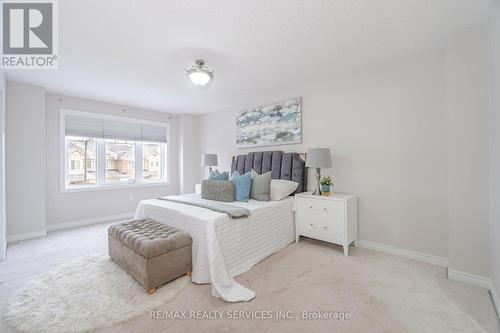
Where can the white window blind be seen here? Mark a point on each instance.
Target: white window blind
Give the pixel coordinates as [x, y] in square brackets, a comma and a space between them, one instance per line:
[83, 126]
[92, 126]
[151, 133]
[121, 130]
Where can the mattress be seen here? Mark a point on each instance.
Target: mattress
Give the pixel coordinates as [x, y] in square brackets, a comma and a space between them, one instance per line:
[223, 247]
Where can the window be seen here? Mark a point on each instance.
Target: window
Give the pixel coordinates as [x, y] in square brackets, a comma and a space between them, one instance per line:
[102, 151]
[120, 161]
[152, 155]
[84, 151]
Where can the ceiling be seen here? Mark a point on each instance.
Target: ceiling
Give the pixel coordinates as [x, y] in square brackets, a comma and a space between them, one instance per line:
[133, 52]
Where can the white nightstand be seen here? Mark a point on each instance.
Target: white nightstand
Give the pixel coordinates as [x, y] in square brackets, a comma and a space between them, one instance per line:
[332, 219]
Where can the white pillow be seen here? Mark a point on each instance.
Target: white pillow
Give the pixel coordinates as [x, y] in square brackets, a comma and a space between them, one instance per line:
[280, 189]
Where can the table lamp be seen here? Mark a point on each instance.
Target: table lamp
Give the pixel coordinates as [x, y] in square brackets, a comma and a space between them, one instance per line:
[318, 158]
[209, 160]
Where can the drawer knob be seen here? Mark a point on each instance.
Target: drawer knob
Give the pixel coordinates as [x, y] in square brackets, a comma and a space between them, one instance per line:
[311, 224]
[325, 227]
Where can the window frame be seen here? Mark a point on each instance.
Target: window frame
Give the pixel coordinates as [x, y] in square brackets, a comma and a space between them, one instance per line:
[101, 184]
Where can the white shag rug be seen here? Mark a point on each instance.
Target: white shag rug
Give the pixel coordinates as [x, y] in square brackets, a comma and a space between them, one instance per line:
[88, 293]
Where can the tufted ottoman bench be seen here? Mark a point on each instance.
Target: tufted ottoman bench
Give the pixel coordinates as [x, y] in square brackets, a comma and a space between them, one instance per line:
[151, 252]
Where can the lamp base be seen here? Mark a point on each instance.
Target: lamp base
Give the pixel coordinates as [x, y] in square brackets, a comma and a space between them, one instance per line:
[317, 191]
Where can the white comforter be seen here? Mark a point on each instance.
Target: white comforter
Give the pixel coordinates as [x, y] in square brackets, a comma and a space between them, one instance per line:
[225, 247]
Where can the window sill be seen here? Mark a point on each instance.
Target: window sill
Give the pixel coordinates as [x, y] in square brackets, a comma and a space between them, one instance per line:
[73, 189]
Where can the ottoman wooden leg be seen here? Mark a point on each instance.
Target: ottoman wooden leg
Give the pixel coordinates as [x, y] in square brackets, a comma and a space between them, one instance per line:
[189, 274]
[151, 291]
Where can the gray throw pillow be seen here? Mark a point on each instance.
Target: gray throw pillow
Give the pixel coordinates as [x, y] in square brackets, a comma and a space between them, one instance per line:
[218, 190]
[261, 186]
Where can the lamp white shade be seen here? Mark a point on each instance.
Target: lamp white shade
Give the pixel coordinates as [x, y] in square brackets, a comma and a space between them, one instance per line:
[209, 160]
[318, 158]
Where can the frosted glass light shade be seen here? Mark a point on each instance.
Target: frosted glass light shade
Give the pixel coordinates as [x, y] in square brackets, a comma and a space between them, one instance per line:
[200, 74]
[199, 78]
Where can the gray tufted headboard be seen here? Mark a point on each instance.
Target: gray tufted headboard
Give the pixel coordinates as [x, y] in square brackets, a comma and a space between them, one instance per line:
[289, 166]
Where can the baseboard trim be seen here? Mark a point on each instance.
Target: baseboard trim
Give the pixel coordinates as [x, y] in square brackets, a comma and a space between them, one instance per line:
[95, 220]
[496, 300]
[470, 279]
[25, 236]
[419, 256]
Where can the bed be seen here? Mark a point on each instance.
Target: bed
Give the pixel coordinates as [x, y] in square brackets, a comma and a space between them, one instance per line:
[223, 247]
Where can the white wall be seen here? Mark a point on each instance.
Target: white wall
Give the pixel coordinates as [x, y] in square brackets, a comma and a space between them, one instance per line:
[78, 206]
[386, 128]
[3, 229]
[467, 97]
[25, 156]
[33, 164]
[189, 153]
[495, 146]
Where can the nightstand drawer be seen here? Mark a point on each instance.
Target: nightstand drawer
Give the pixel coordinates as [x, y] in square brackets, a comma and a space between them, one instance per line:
[325, 217]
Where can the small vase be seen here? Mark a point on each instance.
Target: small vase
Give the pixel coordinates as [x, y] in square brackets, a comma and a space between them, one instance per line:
[325, 189]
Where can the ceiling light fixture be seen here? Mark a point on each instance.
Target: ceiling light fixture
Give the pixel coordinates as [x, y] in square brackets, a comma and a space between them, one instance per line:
[199, 74]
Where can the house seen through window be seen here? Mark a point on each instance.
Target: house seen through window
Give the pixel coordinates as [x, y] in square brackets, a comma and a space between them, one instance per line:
[120, 161]
[81, 152]
[152, 158]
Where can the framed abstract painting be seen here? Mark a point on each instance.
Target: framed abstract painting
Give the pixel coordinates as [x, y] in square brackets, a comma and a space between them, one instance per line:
[269, 125]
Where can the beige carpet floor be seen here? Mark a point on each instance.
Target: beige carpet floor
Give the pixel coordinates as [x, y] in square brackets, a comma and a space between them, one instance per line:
[381, 293]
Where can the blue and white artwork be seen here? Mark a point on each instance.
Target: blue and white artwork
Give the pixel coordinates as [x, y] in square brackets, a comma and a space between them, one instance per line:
[274, 124]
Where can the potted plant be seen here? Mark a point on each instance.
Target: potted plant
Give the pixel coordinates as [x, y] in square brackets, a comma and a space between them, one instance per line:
[326, 183]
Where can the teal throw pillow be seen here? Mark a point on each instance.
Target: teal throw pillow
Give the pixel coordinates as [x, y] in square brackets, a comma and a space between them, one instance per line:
[242, 185]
